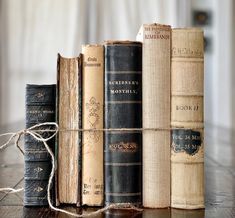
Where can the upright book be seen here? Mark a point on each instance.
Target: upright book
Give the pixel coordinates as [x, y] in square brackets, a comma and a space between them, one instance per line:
[92, 117]
[123, 109]
[40, 108]
[69, 138]
[156, 40]
[187, 154]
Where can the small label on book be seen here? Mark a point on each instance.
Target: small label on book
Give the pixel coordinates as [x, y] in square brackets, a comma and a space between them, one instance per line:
[92, 189]
[187, 141]
[124, 147]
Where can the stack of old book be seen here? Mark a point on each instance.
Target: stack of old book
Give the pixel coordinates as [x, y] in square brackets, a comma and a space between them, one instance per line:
[145, 98]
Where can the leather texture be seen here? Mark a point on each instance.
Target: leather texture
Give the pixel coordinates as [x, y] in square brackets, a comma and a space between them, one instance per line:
[40, 107]
[123, 109]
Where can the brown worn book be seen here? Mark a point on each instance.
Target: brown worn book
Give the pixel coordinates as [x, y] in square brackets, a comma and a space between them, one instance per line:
[187, 152]
[156, 40]
[69, 139]
[92, 116]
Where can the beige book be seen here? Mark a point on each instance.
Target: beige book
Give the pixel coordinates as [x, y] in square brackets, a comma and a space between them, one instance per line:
[92, 116]
[156, 40]
[187, 154]
[69, 140]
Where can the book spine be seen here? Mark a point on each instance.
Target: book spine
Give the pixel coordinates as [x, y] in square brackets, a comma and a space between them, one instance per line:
[156, 40]
[123, 109]
[92, 142]
[187, 150]
[40, 107]
[68, 170]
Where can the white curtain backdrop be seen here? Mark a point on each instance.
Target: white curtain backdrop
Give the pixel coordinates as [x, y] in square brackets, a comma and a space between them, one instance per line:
[33, 32]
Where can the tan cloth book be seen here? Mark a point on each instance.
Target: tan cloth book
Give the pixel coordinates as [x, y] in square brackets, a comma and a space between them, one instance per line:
[187, 153]
[92, 116]
[156, 39]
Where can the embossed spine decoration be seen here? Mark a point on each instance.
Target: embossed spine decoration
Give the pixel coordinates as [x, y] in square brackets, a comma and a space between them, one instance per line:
[69, 142]
[123, 109]
[156, 40]
[92, 143]
[40, 107]
[187, 153]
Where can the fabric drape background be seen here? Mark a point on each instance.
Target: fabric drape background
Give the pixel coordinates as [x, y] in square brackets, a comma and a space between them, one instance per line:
[33, 32]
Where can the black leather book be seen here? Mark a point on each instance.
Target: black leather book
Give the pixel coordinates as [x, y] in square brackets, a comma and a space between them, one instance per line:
[123, 109]
[40, 108]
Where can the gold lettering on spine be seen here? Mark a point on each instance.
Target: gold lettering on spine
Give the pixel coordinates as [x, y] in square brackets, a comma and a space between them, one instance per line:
[124, 147]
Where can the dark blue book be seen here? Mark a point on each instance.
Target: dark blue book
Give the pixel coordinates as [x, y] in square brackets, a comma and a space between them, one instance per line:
[40, 108]
[123, 109]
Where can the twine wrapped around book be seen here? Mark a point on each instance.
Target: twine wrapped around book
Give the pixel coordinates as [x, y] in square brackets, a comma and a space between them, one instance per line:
[35, 133]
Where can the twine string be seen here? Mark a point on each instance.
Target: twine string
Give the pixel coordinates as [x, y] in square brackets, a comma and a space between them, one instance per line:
[34, 133]
[118, 129]
[11, 190]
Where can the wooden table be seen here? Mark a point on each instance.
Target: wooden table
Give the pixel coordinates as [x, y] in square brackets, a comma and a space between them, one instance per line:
[219, 180]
